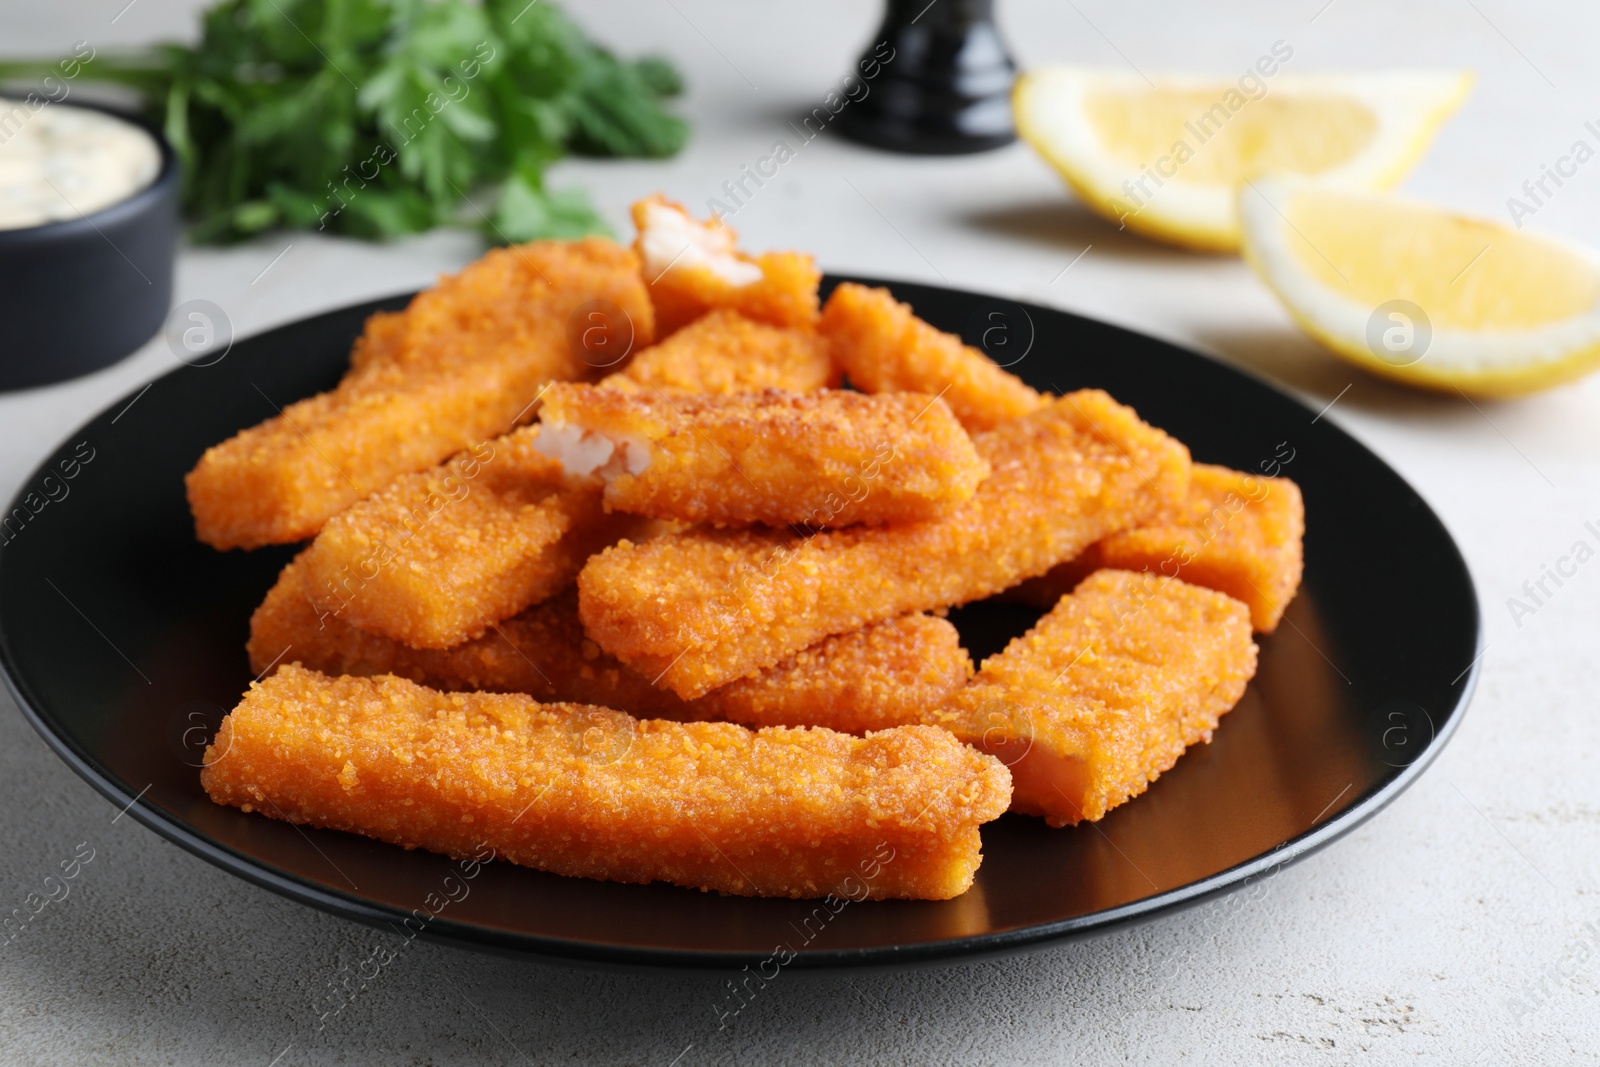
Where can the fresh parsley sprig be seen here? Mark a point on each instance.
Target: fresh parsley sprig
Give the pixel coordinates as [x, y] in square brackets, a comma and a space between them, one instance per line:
[378, 118]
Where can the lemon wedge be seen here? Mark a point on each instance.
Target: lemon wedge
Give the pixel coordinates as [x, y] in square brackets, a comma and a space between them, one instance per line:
[1424, 296]
[1166, 158]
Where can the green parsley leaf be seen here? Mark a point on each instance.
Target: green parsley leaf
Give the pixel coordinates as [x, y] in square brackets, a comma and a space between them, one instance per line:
[377, 118]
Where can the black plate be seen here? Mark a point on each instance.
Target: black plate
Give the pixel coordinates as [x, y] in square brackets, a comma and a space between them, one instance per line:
[123, 640]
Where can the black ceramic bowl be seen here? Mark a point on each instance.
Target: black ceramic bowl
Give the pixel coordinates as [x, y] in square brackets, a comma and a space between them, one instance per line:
[80, 294]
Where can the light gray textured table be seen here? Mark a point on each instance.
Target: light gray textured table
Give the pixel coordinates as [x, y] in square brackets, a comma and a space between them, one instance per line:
[1462, 925]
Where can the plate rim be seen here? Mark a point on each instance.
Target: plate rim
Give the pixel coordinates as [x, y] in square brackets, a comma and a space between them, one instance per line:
[946, 952]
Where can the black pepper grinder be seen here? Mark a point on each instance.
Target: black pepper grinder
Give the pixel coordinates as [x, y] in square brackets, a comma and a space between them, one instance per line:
[944, 81]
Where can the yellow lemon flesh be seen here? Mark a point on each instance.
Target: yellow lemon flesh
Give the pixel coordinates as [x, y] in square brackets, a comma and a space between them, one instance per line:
[1310, 135]
[1166, 158]
[1424, 296]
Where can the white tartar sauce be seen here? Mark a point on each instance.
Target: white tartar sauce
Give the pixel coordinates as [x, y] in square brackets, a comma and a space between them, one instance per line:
[59, 162]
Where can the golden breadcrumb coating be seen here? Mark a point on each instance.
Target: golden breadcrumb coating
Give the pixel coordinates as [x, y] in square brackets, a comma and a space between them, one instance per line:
[1234, 532]
[886, 674]
[704, 607]
[1106, 691]
[724, 352]
[541, 651]
[594, 793]
[883, 348]
[436, 557]
[828, 458]
[461, 364]
[694, 267]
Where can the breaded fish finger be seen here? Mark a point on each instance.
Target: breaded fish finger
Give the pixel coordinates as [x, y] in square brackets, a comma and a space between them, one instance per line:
[1234, 532]
[829, 458]
[694, 267]
[724, 352]
[886, 674]
[460, 365]
[883, 348]
[436, 557]
[1106, 691]
[541, 651]
[703, 607]
[594, 793]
